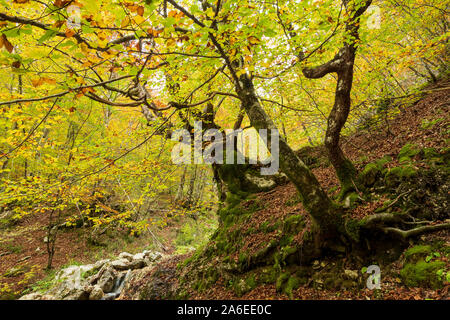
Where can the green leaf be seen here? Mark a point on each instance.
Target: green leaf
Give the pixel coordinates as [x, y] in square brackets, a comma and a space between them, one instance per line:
[47, 35]
[12, 33]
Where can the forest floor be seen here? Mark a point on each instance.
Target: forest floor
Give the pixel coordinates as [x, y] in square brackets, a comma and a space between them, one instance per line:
[424, 123]
[23, 250]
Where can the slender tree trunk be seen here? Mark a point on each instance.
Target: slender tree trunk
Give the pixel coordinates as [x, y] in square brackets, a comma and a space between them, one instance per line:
[190, 193]
[52, 232]
[179, 195]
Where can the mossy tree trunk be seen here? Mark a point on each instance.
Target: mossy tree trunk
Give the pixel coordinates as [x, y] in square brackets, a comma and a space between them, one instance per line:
[315, 200]
[342, 64]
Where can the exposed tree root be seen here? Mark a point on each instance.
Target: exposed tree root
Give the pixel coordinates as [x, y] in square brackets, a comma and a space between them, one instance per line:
[416, 231]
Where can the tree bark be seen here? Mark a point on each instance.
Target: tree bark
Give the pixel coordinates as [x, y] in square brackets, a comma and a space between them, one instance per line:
[342, 64]
[314, 198]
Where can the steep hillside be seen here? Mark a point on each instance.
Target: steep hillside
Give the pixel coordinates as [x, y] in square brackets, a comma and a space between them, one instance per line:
[404, 170]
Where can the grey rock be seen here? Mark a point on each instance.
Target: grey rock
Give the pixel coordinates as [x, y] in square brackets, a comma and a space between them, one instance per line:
[101, 263]
[351, 274]
[32, 296]
[126, 255]
[154, 256]
[37, 296]
[123, 264]
[96, 293]
[139, 256]
[107, 279]
[71, 285]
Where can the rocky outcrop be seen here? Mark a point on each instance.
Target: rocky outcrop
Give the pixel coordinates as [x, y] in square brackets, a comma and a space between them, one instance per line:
[102, 280]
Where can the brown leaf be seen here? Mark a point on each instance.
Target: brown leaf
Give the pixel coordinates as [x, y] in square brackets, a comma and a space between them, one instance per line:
[16, 64]
[5, 43]
[58, 24]
[61, 3]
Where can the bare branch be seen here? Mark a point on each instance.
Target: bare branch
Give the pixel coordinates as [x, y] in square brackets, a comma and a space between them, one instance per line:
[57, 95]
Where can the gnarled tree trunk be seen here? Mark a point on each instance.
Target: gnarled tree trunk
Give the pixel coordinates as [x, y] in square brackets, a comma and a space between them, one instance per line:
[342, 64]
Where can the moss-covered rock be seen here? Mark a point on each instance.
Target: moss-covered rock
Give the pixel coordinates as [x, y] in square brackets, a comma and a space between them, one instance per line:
[417, 253]
[398, 174]
[430, 154]
[408, 151]
[373, 171]
[422, 273]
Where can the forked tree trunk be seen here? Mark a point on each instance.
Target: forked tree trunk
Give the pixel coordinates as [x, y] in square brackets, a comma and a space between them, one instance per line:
[314, 198]
[342, 64]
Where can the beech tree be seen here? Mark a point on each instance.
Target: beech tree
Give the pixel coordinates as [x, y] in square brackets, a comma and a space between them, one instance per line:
[120, 76]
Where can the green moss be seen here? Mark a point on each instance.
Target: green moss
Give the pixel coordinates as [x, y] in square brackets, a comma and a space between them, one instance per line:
[351, 200]
[407, 152]
[412, 254]
[294, 224]
[89, 273]
[372, 171]
[398, 174]
[233, 199]
[251, 282]
[268, 227]
[255, 206]
[292, 284]
[430, 153]
[242, 258]
[352, 228]
[281, 281]
[369, 174]
[286, 240]
[242, 285]
[428, 124]
[422, 274]
[45, 284]
[268, 275]
[347, 175]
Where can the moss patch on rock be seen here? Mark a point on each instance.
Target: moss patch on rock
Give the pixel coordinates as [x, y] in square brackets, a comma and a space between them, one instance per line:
[422, 273]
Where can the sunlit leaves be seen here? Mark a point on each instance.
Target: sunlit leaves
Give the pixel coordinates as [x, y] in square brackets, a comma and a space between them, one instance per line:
[266, 38]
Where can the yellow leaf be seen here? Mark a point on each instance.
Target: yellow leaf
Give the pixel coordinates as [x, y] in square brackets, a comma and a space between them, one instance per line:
[125, 22]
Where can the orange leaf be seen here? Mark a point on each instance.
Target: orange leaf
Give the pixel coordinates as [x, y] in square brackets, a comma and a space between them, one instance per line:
[106, 208]
[70, 33]
[140, 10]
